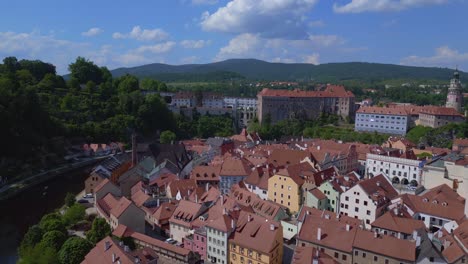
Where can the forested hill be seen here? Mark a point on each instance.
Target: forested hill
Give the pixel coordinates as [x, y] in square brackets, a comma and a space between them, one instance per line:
[261, 70]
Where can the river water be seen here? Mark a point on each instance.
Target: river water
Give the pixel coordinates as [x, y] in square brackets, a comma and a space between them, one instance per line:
[27, 208]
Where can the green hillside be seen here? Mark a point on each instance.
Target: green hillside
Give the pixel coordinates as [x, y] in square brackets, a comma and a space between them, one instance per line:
[261, 70]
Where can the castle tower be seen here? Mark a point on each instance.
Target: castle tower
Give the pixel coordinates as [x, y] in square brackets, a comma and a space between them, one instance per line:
[455, 96]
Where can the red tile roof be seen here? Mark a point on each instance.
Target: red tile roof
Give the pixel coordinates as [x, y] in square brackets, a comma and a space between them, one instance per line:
[205, 173]
[385, 245]
[440, 111]
[383, 110]
[185, 213]
[283, 157]
[234, 166]
[112, 205]
[379, 189]
[305, 255]
[318, 194]
[330, 91]
[398, 223]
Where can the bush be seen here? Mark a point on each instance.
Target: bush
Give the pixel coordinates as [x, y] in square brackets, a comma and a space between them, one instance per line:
[54, 239]
[70, 199]
[99, 230]
[30, 239]
[74, 214]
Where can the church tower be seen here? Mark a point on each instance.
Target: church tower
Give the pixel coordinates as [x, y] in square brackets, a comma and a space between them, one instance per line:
[455, 96]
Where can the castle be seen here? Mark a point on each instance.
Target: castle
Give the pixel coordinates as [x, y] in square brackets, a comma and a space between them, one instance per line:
[455, 95]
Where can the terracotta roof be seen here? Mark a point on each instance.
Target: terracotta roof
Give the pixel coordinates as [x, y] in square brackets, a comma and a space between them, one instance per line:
[324, 175]
[283, 157]
[461, 235]
[163, 179]
[259, 177]
[296, 172]
[439, 201]
[184, 95]
[165, 210]
[233, 166]
[254, 232]
[333, 230]
[185, 213]
[379, 189]
[101, 184]
[222, 223]
[267, 209]
[205, 173]
[185, 187]
[398, 223]
[112, 205]
[460, 141]
[452, 250]
[108, 248]
[383, 110]
[305, 255]
[442, 111]
[139, 196]
[330, 91]
[318, 194]
[385, 245]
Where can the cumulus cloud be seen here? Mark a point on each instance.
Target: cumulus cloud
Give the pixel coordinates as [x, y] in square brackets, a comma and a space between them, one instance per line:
[158, 48]
[444, 57]
[194, 44]
[140, 34]
[270, 19]
[92, 32]
[249, 45]
[359, 6]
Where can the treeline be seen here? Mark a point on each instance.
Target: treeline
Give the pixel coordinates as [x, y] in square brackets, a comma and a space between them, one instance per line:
[49, 241]
[324, 127]
[441, 137]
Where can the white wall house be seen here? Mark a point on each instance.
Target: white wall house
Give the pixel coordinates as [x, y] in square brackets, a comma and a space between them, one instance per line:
[397, 170]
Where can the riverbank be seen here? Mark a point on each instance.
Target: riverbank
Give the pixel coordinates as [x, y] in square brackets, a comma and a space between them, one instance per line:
[10, 190]
[22, 211]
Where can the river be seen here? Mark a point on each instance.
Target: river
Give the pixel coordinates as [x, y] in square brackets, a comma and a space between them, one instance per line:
[27, 208]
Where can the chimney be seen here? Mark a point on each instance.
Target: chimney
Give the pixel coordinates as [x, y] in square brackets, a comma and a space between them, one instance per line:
[378, 183]
[114, 257]
[315, 259]
[233, 224]
[418, 241]
[196, 198]
[249, 218]
[157, 202]
[126, 249]
[207, 188]
[106, 245]
[318, 147]
[224, 211]
[134, 149]
[395, 211]
[319, 233]
[272, 227]
[348, 227]
[446, 243]
[376, 234]
[415, 234]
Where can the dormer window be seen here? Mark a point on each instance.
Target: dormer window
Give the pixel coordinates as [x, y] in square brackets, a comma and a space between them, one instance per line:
[434, 202]
[444, 204]
[425, 200]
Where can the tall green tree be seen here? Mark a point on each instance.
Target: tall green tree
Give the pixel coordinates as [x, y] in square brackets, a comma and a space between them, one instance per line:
[74, 250]
[167, 137]
[99, 230]
[74, 214]
[30, 239]
[85, 70]
[54, 239]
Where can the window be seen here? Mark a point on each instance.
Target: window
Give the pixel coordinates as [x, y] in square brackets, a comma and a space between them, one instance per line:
[346, 198]
[343, 257]
[365, 202]
[356, 209]
[376, 258]
[386, 261]
[368, 212]
[356, 253]
[357, 201]
[337, 255]
[364, 254]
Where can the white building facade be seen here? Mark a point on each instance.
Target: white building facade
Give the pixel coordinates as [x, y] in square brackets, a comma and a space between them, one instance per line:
[397, 170]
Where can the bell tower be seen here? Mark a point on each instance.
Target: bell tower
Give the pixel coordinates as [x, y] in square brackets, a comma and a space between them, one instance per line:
[454, 95]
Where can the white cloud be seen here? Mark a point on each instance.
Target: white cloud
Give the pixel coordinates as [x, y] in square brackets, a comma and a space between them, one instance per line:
[271, 19]
[194, 44]
[312, 59]
[92, 32]
[278, 50]
[359, 6]
[158, 48]
[204, 2]
[137, 33]
[443, 57]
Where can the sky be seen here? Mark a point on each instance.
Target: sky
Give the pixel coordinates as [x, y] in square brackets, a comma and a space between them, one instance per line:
[127, 33]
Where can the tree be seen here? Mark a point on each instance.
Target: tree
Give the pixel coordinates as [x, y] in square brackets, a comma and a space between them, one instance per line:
[149, 84]
[11, 64]
[90, 87]
[74, 214]
[99, 230]
[39, 254]
[128, 84]
[51, 222]
[54, 239]
[30, 239]
[167, 136]
[85, 70]
[70, 199]
[162, 87]
[74, 250]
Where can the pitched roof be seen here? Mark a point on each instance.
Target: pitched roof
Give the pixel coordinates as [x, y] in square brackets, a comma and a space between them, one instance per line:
[318, 194]
[165, 210]
[398, 223]
[222, 223]
[139, 196]
[257, 233]
[460, 141]
[259, 177]
[333, 229]
[461, 235]
[296, 172]
[185, 187]
[234, 166]
[451, 249]
[330, 91]
[283, 157]
[205, 173]
[383, 110]
[379, 189]
[386, 245]
[440, 111]
[185, 213]
[439, 201]
[267, 209]
[305, 255]
[163, 179]
[112, 205]
[108, 248]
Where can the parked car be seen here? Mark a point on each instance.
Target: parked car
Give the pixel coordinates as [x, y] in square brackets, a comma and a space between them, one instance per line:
[83, 201]
[88, 195]
[171, 241]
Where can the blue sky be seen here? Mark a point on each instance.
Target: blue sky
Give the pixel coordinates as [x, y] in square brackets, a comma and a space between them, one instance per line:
[129, 33]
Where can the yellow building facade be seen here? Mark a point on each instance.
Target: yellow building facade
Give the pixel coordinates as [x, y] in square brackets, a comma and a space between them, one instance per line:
[285, 191]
